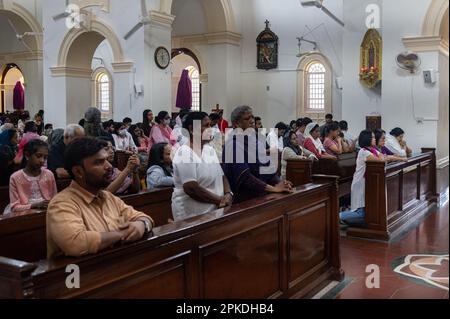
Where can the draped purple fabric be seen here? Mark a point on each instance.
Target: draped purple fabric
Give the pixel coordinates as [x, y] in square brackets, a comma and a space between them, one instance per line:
[19, 97]
[184, 94]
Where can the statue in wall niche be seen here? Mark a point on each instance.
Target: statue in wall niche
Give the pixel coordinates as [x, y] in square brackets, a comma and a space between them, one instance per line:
[267, 49]
[371, 59]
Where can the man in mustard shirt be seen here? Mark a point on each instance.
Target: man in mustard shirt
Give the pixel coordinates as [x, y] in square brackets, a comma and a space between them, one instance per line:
[84, 218]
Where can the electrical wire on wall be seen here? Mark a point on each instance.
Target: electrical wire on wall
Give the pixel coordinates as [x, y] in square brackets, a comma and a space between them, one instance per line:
[413, 105]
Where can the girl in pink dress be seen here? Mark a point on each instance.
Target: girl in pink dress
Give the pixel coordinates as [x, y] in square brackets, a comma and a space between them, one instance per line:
[34, 186]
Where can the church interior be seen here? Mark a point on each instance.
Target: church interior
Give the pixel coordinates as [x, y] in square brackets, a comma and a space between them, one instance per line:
[351, 97]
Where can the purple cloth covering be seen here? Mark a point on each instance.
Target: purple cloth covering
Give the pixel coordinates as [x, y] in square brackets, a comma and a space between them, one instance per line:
[19, 97]
[184, 94]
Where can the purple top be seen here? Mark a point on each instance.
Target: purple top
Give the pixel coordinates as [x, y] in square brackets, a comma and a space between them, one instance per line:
[385, 151]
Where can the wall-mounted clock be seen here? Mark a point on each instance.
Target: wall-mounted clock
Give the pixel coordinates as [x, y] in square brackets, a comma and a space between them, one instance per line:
[162, 57]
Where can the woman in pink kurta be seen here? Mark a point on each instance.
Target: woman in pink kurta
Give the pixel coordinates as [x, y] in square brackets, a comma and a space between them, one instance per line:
[162, 133]
[34, 186]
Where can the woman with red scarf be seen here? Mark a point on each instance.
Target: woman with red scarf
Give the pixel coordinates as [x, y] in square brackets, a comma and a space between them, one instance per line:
[161, 133]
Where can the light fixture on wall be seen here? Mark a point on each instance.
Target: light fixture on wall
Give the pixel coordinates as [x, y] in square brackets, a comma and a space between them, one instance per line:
[319, 4]
[302, 54]
[144, 20]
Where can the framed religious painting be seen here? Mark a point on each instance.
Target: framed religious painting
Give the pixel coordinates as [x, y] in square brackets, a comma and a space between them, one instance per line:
[371, 59]
[267, 49]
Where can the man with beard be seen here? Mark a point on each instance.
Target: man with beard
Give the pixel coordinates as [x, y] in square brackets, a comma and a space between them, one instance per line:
[84, 218]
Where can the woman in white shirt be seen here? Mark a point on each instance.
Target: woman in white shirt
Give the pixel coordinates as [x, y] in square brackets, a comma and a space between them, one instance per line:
[368, 152]
[122, 139]
[200, 185]
[396, 144]
[275, 137]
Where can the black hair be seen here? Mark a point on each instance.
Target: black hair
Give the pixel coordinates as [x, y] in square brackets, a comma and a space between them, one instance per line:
[299, 123]
[397, 132]
[365, 139]
[257, 118]
[117, 126]
[281, 126]
[127, 120]
[80, 149]
[156, 157]
[48, 126]
[378, 134]
[32, 147]
[314, 128]
[145, 122]
[161, 115]
[329, 116]
[331, 127]
[292, 123]
[287, 143]
[30, 127]
[343, 125]
[214, 116]
[131, 130]
[306, 121]
[193, 116]
[81, 122]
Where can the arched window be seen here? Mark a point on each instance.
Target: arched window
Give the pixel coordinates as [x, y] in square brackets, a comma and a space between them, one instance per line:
[103, 93]
[314, 87]
[195, 79]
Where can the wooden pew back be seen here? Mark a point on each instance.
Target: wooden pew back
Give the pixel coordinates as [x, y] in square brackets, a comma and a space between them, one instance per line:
[23, 235]
[278, 246]
[397, 195]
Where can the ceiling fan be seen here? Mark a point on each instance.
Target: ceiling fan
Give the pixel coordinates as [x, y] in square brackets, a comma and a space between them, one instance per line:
[67, 13]
[21, 37]
[319, 4]
[145, 20]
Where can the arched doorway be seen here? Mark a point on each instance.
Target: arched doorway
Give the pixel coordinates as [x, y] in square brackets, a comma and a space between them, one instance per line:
[10, 75]
[82, 53]
[185, 59]
[16, 21]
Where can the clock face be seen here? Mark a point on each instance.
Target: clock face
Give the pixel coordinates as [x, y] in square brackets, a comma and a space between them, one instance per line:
[162, 57]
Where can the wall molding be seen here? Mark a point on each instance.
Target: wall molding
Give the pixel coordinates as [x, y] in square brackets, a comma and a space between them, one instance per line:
[21, 56]
[208, 39]
[161, 19]
[432, 22]
[122, 67]
[105, 5]
[443, 162]
[426, 44]
[71, 72]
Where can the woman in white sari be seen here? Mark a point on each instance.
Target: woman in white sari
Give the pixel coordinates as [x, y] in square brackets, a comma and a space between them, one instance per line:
[313, 143]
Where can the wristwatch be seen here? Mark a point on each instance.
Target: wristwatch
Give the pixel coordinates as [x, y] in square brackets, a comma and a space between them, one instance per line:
[148, 228]
[230, 192]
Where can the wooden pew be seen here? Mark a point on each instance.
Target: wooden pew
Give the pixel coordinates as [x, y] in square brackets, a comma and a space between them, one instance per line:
[397, 195]
[300, 172]
[277, 246]
[23, 235]
[344, 167]
[4, 198]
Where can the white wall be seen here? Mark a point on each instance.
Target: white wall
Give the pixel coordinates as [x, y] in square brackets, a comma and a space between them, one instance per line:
[190, 18]
[401, 19]
[288, 20]
[122, 17]
[357, 100]
[442, 138]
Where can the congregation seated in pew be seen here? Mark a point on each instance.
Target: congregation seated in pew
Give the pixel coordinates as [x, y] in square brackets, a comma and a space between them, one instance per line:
[396, 143]
[122, 183]
[33, 186]
[55, 161]
[200, 184]
[246, 178]
[84, 219]
[292, 151]
[380, 137]
[313, 143]
[8, 144]
[160, 169]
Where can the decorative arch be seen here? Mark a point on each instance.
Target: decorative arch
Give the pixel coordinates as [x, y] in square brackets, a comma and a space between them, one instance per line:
[303, 65]
[437, 10]
[219, 14]
[87, 42]
[23, 14]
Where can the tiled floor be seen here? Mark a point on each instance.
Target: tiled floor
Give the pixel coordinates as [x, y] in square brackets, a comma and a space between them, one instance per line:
[431, 236]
